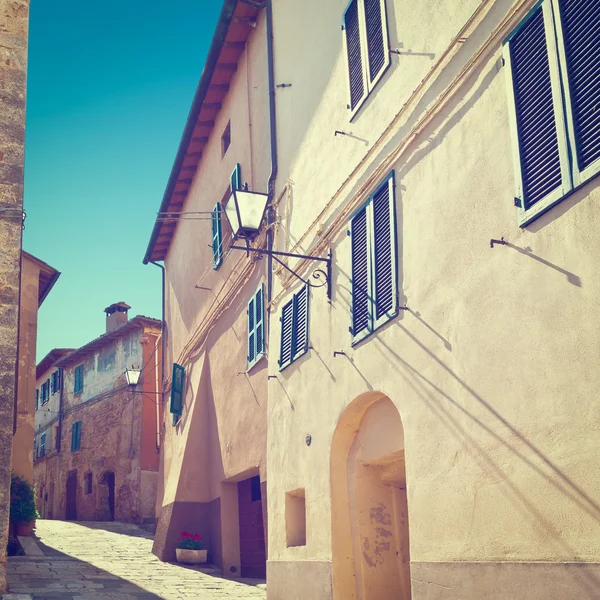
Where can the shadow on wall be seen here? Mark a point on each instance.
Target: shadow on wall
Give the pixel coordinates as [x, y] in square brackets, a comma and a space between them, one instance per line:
[442, 404]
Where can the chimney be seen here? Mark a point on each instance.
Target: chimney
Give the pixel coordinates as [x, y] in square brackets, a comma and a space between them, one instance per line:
[116, 315]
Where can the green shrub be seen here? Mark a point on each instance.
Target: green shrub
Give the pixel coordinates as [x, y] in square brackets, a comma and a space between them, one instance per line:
[22, 501]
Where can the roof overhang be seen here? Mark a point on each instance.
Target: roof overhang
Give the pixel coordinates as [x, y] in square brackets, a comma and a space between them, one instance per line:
[234, 27]
[49, 360]
[48, 276]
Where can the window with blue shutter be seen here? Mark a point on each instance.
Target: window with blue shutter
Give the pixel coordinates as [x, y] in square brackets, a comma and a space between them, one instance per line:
[294, 328]
[42, 451]
[367, 47]
[78, 380]
[76, 436]
[256, 327]
[55, 382]
[374, 262]
[177, 390]
[217, 236]
[553, 60]
[235, 181]
[37, 399]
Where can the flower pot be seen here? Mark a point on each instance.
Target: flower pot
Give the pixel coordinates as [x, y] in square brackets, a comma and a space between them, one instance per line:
[25, 528]
[191, 557]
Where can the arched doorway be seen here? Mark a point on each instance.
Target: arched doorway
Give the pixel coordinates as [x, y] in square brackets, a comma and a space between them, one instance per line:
[370, 534]
[105, 497]
[71, 509]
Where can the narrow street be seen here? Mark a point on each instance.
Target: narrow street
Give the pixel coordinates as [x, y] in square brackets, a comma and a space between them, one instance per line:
[112, 561]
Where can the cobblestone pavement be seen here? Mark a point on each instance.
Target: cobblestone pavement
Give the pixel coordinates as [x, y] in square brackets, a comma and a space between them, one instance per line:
[113, 561]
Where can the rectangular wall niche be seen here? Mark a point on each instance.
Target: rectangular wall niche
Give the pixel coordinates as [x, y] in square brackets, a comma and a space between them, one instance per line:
[295, 518]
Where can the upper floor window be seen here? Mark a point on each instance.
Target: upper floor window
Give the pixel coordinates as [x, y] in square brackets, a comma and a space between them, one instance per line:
[294, 328]
[367, 47]
[226, 139]
[55, 382]
[76, 436]
[218, 221]
[256, 327]
[78, 380]
[45, 391]
[177, 392]
[43, 444]
[553, 60]
[374, 271]
[37, 399]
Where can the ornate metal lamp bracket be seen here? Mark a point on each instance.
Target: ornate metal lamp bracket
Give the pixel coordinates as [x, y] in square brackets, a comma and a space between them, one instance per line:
[322, 277]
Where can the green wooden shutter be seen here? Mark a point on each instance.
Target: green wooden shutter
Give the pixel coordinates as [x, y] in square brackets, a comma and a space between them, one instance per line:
[361, 280]
[251, 332]
[377, 39]
[74, 437]
[37, 399]
[287, 327]
[256, 342]
[354, 54]
[177, 389]
[385, 294]
[217, 236]
[43, 444]
[78, 377]
[300, 345]
[235, 181]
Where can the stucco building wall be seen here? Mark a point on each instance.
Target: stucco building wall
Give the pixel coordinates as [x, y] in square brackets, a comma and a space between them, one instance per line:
[493, 367]
[220, 440]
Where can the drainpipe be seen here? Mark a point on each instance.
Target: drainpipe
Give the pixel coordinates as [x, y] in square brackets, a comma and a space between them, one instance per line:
[162, 329]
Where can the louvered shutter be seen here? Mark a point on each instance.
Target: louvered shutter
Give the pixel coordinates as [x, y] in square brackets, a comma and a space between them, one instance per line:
[252, 331]
[217, 236]
[78, 443]
[354, 54]
[73, 437]
[300, 345]
[580, 20]
[287, 326]
[377, 49]
[384, 253]
[361, 304]
[536, 119]
[235, 181]
[37, 399]
[177, 389]
[260, 321]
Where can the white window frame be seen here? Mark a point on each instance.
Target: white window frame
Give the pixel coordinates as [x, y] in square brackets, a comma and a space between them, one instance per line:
[368, 87]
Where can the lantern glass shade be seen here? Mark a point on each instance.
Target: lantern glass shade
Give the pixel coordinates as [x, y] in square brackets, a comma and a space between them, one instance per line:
[245, 212]
[133, 376]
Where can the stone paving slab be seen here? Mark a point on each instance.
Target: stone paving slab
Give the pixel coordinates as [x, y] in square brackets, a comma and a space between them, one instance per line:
[113, 561]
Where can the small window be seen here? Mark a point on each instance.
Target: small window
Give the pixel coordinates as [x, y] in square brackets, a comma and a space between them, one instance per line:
[177, 391]
[294, 328]
[43, 444]
[556, 47]
[226, 139]
[76, 436]
[367, 48]
[87, 483]
[78, 385]
[55, 382]
[255, 488]
[295, 518]
[45, 391]
[256, 327]
[373, 260]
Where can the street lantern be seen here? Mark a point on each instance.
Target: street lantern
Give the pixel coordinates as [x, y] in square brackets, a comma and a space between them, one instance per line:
[133, 376]
[245, 211]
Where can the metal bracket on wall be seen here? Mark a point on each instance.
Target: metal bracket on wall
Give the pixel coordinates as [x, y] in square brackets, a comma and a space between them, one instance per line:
[323, 277]
[501, 241]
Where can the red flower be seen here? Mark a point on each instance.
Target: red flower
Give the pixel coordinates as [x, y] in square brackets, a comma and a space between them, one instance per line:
[185, 534]
[197, 537]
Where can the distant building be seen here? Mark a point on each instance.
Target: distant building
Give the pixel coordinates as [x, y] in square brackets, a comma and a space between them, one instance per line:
[97, 441]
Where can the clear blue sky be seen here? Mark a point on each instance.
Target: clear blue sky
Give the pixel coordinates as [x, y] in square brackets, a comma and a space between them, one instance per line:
[110, 85]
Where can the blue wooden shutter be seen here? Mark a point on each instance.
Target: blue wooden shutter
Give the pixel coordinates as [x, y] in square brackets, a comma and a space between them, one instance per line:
[260, 320]
[217, 236]
[354, 54]
[300, 345]
[251, 332]
[384, 253]
[177, 389]
[235, 181]
[37, 399]
[43, 444]
[73, 437]
[361, 302]
[378, 51]
[256, 343]
[287, 327]
[581, 33]
[536, 120]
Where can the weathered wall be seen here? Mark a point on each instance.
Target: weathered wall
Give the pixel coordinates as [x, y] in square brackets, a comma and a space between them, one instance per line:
[22, 444]
[494, 368]
[14, 16]
[221, 438]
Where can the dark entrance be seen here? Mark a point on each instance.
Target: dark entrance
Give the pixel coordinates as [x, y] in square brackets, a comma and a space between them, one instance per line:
[109, 480]
[253, 556]
[71, 508]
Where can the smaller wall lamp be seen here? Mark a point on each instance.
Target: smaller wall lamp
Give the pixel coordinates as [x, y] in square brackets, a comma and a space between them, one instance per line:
[133, 376]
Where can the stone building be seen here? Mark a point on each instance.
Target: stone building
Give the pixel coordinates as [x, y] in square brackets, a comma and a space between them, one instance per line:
[97, 439]
[14, 20]
[213, 468]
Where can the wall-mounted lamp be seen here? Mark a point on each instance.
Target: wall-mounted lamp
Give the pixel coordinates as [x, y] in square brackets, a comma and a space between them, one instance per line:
[133, 376]
[245, 211]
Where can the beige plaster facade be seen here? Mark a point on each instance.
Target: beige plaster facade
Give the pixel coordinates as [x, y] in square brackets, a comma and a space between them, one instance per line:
[213, 468]
[452, 452]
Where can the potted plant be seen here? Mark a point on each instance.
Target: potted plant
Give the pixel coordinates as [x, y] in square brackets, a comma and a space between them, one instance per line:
[23, 512]
[190, 549]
